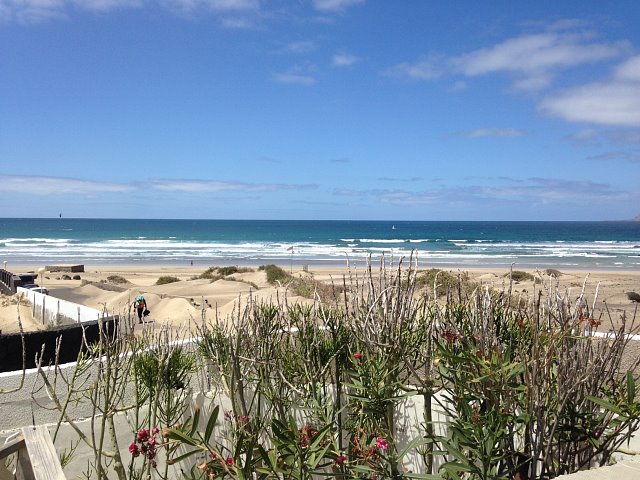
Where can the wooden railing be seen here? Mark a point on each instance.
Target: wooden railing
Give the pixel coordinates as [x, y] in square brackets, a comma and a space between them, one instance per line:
[36, 456]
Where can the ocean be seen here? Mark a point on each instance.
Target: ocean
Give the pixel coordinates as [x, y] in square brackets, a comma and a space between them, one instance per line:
[459, 244]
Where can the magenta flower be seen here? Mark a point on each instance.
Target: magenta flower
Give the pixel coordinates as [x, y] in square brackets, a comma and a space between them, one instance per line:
[340, 459]
[382, 444]
[134, 450]
[143, 435]
[357, 356]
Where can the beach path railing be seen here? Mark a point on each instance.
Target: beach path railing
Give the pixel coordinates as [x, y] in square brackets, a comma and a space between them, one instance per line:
[36, 456]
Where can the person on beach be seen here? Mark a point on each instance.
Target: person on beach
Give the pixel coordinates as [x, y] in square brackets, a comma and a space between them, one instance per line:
[141, 307]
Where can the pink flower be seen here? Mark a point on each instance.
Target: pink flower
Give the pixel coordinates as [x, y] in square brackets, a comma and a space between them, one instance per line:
[357, 356]
[382, 444]
[134, 450]
[340, 459]
[143, 435]
[229, 461]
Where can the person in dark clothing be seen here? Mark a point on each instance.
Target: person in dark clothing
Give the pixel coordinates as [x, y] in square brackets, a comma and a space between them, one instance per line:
[141, 307]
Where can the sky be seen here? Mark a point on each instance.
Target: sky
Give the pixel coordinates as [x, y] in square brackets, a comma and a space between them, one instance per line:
[320, 109]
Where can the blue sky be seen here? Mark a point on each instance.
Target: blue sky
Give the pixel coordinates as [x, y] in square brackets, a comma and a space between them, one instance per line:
[320, 109]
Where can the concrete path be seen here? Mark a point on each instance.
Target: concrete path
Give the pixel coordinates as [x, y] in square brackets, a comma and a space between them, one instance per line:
[624, 470]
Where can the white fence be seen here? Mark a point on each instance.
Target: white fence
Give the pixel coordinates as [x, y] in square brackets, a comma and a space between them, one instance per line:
[54, 311]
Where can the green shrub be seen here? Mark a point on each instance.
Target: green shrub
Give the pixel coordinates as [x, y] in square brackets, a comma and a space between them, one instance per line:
[520, 276]
[117, 279]
[275, 274]
[633, 296]
[224, 271]
[444, 281]
[216, 273]
[552, 272]
[167, 279]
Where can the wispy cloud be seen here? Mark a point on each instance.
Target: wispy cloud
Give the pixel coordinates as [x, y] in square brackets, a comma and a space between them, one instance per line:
[397, 179]
[38, 11]
[586, 136]
[612, 102]
[301, 46]
[212, 186]
[425, 68]
[295, 76]
[631, 157]
[344, 60]
[335, 5]
[43, 185]
[532, 59]
[528, 191]
[492, 132]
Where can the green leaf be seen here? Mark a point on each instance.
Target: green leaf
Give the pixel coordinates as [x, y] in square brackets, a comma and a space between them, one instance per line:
[180, 436]
[413, 444]
[319, 437]
[319, 456]
[196, 420]
[211, 423]
[631, 388]
[178, 459]
[604, 404]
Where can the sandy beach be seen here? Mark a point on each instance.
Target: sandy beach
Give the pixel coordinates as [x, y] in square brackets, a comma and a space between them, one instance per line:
[191, 300]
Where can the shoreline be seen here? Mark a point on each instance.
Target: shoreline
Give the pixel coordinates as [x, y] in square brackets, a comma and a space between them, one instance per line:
[181, 302]
[314, 264]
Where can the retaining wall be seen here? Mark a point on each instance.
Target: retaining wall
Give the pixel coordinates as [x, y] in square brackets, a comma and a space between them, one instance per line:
[54, 311]
[72, 338]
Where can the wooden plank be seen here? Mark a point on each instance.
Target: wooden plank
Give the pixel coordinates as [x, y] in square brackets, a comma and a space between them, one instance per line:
[12, 447]
[41, 457]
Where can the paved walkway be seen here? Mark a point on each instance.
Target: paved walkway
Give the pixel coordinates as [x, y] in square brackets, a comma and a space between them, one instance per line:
[624, 470]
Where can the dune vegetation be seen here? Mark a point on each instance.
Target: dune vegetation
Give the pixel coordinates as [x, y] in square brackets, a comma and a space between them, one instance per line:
[379, 381]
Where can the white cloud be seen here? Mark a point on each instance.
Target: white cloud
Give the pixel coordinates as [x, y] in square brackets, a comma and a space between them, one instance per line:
[105, 5]
[335, 5]
[532, 59]
[295, 76]
[613, 102]
[42, 185]
[216, 5]
[631, 157]
[302, 46]
[527, 191]
[212, 186]
[33, 11]
[493, 132]
[586, 136]
[344, 60]
[535, 53]
[426, 68]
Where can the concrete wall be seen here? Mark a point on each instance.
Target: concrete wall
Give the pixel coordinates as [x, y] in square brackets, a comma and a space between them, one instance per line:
[54, 311]
[61, 344]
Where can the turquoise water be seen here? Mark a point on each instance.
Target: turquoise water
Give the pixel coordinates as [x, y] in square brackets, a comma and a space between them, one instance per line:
[590, 245]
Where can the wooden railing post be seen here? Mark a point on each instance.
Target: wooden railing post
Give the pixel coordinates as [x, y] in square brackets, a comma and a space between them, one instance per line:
[37, 458]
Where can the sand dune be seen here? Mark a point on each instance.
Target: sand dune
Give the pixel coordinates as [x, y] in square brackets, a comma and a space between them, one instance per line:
[190, 300]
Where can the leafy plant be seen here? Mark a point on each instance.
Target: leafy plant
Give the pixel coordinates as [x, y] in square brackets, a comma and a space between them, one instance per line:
[633, 296]
[117, 279]
[167, 279]
[275, 274]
